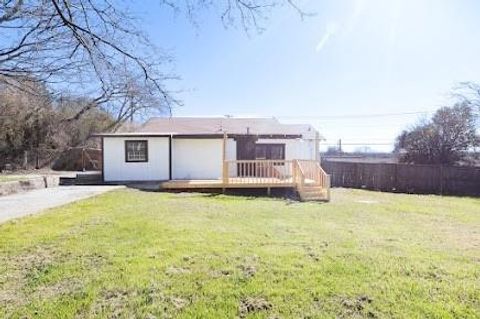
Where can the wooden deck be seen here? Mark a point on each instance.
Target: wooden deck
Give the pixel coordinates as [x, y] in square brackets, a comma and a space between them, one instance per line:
[307, 177]
[237, 182]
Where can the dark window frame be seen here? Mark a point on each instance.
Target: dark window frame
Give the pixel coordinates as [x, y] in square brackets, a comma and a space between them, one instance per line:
[127, 160]
[269, 152]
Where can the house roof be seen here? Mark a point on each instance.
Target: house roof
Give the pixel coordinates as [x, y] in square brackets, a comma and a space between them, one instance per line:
[229, 125]
[216, 126]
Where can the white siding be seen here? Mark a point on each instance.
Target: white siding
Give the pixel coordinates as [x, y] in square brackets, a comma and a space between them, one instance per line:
[192, 158]
[294, 148]
[197, 158]
[117, 169]
[231, 153]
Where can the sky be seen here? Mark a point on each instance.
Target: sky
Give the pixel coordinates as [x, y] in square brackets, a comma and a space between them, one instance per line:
[352, 70]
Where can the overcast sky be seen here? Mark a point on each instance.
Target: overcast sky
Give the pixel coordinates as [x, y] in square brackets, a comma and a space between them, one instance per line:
[339, 70]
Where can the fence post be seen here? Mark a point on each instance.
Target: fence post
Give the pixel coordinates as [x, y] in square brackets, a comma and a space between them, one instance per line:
[395, 178]
[83, 159]
[37, 159]
[25, 159]
[441, 179]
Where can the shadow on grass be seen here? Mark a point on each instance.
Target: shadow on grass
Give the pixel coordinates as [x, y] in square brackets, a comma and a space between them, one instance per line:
[290, 195]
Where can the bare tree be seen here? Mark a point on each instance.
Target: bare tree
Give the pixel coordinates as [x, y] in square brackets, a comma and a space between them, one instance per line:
[445, 139]
[468, 93]
[88, 46]
[249, 14]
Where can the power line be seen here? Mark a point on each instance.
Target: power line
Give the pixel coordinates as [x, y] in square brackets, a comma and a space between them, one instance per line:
[358, 144]
[352, 116]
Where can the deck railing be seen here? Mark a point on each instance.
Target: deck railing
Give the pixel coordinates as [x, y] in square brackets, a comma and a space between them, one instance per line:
[260, 172]
[302, 174]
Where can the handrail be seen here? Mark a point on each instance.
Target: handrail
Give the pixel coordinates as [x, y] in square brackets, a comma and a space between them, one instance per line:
[259, 161]
[258, 172]
[313, 173]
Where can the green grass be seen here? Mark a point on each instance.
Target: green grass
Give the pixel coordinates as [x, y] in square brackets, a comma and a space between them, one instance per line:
[132, 254]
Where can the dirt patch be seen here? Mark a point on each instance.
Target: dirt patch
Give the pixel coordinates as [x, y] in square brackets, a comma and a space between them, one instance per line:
[121, 303]
[248, 267]
[178, 303]
[249, 271]
[23, 270]
[112, 301]
[221, 273]
[312, 254]
[24, 279]
[433, 273]
[64, 287]
[354, 307]
[177, 271]
[250, 305]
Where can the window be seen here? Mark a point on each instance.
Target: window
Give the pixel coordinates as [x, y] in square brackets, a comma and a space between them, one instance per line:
[270, 151]
[136, 151]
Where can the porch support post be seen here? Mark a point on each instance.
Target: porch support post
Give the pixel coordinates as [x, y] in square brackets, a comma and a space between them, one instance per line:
[103, 158]
[224, 162]
[170, 157]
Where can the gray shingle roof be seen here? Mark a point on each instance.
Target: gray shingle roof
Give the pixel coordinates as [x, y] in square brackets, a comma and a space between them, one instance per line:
[219, 125]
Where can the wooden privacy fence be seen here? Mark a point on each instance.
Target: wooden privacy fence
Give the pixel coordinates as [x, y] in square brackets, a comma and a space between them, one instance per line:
[405, 178]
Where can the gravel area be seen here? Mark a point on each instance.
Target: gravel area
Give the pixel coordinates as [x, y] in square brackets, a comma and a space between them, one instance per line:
[32, 202]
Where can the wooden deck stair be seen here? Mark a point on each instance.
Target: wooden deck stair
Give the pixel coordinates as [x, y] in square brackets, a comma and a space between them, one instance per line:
[312, 193]
[312, 183]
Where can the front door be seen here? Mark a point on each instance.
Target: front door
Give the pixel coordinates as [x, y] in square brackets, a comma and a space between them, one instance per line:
[246, 147]
[246, 151]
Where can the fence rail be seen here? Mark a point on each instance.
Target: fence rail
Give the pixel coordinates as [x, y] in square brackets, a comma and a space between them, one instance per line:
[405, 178]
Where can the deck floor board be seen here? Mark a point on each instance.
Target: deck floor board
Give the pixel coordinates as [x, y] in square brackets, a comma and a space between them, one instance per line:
[235, 182]
[232, 183]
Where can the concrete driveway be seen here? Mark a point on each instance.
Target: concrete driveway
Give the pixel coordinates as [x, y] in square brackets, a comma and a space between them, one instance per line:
[32, 202]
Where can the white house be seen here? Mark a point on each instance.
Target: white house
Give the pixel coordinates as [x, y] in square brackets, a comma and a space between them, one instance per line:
[221, 152]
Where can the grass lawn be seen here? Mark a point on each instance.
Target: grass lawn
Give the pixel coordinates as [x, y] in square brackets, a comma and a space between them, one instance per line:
[132, 254]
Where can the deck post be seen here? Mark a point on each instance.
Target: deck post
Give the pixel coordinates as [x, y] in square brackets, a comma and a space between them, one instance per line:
[329, 185]
[294, 172]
